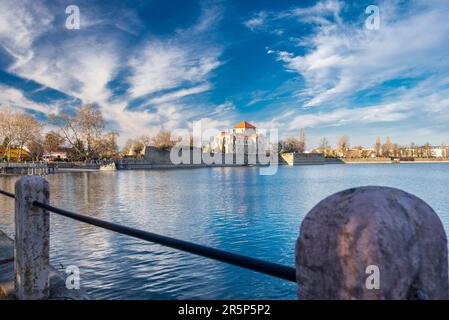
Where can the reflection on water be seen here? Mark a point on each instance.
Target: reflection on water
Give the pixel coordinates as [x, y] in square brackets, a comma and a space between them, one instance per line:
[228, 208]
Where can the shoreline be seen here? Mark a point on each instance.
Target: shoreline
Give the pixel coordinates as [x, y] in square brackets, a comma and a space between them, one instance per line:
[391, 162]
[174, 167]
[187, 167]
[63, 170]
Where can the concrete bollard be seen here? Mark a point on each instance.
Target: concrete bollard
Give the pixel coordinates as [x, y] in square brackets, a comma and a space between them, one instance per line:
[372, 243]
[31, 249]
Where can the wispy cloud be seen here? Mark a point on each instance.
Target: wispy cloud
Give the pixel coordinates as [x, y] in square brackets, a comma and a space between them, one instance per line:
[322, 13]
[11, 97]
[344, 59]
[179, 94]
[83, 63]
[256, 21]
[342, 66]
[161, 66]
[325, 70]
[20, 27]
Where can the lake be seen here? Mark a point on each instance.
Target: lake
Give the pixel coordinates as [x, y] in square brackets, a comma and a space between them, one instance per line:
[233, 209]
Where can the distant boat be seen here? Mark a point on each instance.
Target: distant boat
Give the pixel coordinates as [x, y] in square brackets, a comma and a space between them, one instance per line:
[108, 167]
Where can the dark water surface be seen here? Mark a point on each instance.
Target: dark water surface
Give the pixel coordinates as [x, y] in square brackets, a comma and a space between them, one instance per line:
[228, 208]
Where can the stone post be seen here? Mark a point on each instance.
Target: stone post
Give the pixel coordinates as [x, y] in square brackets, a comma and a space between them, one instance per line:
[31, 249]
[372, 243]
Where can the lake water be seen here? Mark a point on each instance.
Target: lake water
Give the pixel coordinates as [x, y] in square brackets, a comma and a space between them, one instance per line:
[232, 209]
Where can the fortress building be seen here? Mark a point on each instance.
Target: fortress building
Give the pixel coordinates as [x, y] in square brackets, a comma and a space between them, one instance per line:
[243, 135]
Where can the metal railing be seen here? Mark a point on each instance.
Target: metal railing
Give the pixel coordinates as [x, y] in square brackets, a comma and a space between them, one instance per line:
[23, 164]
[257, 265]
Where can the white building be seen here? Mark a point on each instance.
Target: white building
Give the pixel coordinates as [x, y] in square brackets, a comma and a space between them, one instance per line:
[244, 135]
[438, 152]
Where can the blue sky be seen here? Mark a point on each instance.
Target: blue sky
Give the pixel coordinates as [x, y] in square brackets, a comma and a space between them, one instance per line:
[152, 65]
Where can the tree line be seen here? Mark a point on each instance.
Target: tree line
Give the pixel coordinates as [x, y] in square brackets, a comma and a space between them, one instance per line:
[386, 149]
[81, 134]
[18, 129]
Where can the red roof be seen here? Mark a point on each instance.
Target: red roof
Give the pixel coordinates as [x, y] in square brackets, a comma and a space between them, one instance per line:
[244, 125]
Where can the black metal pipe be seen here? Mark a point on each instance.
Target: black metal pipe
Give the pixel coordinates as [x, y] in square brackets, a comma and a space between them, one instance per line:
[8, 194]
[269, 268]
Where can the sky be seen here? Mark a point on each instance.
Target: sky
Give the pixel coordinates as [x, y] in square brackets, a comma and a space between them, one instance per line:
[160, 65]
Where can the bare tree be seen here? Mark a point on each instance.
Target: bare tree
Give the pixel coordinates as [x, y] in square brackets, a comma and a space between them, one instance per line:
[91, 124]
[52, 141]
[106, 147]
[8, 130]
[324, 144]
[17, 129]
[291, 145]
[378, 147]
[145, 140]
[413, 150]
[443, 150]
[427, 148]
[2, 127]
[163, 140]
[387, 148]
[343, 145]
[302, 141]
[82, 129]
[27, 130]
[36, 148]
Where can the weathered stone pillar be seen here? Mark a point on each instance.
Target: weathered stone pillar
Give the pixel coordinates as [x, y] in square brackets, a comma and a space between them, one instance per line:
[31, 249]
[372, 243]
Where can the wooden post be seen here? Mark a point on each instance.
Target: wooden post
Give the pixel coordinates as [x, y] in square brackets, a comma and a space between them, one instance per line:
[31, 249]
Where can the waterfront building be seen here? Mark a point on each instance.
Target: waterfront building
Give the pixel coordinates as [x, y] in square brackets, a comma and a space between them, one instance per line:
[244, 135]
[438, 152]
[60, 154]
[14, 153]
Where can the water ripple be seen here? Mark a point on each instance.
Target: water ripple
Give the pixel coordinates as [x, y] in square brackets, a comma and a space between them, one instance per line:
[232, 209]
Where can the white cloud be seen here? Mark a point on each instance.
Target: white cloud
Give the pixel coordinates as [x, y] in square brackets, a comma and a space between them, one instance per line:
[21, 22]
[418, 111]
[322, 13]
[75, 64]
[224, 108]
[82, 63]
[179, 94]
[373, 114]
[256, 21]
[161, 66]
[208, 123]
[11, 97]
[343, 67]
[344, 59]
[80, 67]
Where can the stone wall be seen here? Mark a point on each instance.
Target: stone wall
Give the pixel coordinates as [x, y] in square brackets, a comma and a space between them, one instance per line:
[301, 158]
[161, 157]
[155, 155]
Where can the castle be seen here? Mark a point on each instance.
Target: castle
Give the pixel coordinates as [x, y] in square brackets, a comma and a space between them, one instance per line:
[244, 135]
